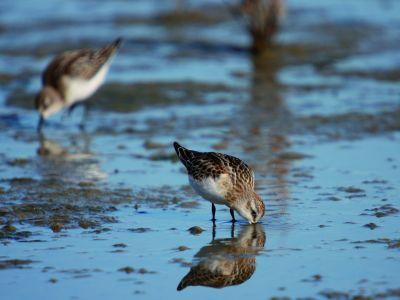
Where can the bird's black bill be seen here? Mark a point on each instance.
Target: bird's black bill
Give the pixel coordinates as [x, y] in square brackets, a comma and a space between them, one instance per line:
[40, 124]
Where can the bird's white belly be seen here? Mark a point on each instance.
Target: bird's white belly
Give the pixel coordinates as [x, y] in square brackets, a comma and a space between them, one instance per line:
[78, 89]
[210, 189]
[219, 264]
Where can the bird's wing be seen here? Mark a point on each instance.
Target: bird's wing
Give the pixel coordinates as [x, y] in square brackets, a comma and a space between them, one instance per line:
[237, 272]
[201, 165]
[59, 65]
[200, 275]
[82, 63]
[239, 171]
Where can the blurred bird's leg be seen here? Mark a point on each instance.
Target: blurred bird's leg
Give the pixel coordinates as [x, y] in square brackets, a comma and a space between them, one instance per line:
[85, 115]
[233, 230]
[69, 111]
[72, 108]
[87, 109]
[40, 124]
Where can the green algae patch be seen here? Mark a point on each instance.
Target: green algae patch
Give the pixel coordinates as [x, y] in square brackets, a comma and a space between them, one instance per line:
[19, 162]
[195, 230]
[129, 270]
[15, 264]
[390, 243]
[57, 205]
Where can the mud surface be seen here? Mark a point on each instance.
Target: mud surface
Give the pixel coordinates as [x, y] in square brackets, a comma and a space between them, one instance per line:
[107, 212]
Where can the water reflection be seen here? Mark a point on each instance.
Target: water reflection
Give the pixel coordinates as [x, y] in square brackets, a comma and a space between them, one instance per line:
[226, 262]
[265, 118]
[73, 162]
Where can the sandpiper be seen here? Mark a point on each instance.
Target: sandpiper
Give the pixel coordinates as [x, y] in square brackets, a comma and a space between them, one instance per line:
[223, 179]
[226, 262]
[72, 77]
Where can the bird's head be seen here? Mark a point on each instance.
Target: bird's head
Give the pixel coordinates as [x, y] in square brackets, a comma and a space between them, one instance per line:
[48, 101]
[250, 206]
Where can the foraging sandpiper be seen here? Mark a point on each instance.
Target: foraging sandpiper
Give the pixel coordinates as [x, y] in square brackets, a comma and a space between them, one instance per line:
[72, 77]
[223, 179]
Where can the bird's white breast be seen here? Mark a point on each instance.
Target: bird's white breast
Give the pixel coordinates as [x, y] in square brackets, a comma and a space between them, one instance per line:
[78, 89]
[213, 190]
[219, 264]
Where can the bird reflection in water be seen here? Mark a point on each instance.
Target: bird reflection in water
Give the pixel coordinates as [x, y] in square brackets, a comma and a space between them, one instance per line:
[226, 262]
[73, 162]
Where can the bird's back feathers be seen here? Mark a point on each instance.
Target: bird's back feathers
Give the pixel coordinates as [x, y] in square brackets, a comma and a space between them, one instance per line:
[82, 63]
[201, 165]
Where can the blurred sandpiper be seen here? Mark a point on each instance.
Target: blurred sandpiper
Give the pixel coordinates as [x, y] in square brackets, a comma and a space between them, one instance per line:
[72, 77]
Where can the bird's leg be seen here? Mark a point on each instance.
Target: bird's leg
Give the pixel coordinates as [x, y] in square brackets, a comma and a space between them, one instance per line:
[213, 212]
[233, 230]
[85, 115]
[87, 109]
[213, 231]
[40, 124]
[213, 220]
[232, 215]
[72, 108]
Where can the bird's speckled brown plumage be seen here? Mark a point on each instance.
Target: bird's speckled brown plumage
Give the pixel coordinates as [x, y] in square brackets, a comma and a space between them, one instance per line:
[223, 179]
[226, 262]
[242, 270]
[201, 165]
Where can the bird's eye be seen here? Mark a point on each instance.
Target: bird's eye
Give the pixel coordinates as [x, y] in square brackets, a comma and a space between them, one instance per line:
[254, 214]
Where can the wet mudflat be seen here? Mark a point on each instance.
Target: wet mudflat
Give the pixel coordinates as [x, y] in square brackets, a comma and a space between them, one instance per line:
[106, 212]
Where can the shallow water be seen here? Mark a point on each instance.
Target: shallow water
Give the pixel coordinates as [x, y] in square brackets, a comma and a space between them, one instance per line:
[105, 213]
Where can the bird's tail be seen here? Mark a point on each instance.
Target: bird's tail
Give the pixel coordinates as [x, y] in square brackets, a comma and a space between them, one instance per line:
[181, 286]
[108, 51]
[117, 43]
[196, 276]
[185, 282]
[185, 155]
